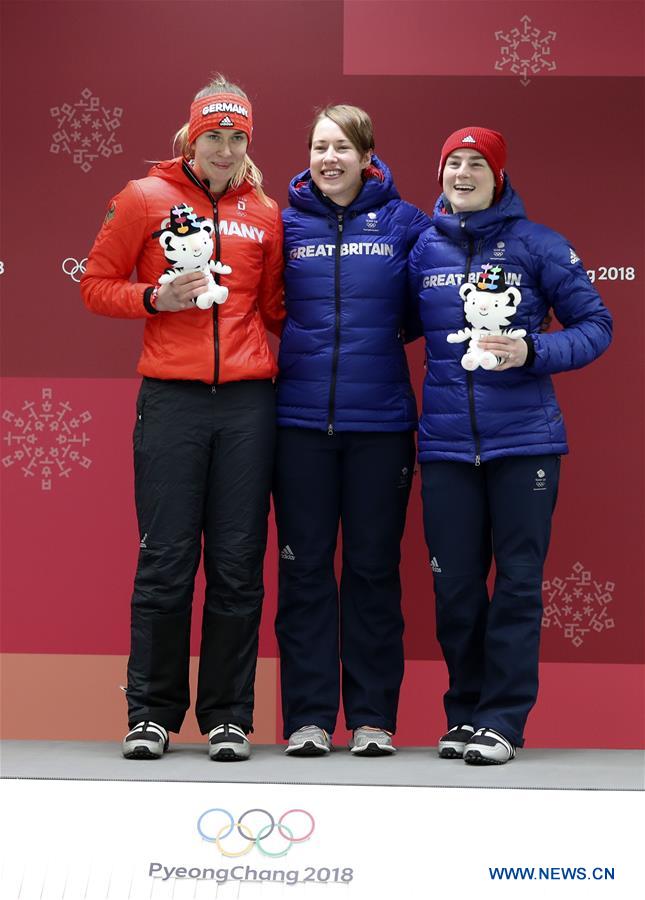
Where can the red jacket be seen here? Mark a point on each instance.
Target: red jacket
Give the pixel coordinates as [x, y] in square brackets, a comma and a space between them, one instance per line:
[225, 343]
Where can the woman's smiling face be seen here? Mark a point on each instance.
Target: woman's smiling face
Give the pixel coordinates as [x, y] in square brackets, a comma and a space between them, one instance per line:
[468, 181]
[336, 165]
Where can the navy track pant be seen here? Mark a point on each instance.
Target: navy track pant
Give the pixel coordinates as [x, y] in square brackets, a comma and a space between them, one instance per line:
[362, 480]
[501, 509]
[203, 469]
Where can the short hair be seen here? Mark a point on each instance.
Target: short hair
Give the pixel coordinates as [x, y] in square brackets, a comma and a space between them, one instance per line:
[353, 121]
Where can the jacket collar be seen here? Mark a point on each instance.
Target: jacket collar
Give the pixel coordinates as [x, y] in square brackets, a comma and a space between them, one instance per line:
[304, 195]
[484, 222]
[180, 172]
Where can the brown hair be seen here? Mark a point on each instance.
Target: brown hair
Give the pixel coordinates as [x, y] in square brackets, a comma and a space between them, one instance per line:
[248, 171]
[353, 121]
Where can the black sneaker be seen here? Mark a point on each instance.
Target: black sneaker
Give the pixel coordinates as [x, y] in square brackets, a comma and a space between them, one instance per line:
[488, 748]
[147, 740]
[228, 743]
[451, 745]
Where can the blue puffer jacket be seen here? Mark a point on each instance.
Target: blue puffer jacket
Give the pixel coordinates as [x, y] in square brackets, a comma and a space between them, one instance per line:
[342, 362]
[480, 415]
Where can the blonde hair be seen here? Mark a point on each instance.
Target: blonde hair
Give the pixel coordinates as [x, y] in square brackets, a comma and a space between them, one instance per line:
[353, 121]
[248, 171]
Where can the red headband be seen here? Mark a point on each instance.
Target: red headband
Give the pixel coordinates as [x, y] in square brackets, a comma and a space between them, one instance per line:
[220, 111]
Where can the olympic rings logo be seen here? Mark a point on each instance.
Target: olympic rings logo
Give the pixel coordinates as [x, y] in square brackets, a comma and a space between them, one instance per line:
[72, 267]
[211, 829]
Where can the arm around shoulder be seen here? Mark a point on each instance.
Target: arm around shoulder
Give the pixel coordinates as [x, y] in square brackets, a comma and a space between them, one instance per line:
[271, 290]
[417, 226]
[412, 324]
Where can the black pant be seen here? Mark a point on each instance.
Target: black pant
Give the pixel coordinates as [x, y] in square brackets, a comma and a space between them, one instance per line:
[501, 508]
[203, 466]
[363, 481]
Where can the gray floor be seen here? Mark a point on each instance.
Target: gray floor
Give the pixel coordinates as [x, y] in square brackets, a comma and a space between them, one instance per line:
[617, 770]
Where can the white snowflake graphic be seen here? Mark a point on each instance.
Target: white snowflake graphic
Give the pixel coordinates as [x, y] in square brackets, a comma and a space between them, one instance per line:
[524, 51]
[86, 130]
[46, 442]
[577, 604]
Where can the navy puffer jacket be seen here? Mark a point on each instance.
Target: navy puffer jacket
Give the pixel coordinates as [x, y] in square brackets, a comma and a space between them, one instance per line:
[342, 361]
[481, 415]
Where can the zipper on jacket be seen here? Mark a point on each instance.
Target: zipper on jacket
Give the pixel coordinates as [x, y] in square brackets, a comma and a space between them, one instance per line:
[469, 375]
[189, 172]
[215, 306]
[334, 365]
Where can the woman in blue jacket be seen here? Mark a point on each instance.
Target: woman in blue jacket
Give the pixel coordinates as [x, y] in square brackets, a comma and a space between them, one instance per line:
[346, 417]
[491, 432]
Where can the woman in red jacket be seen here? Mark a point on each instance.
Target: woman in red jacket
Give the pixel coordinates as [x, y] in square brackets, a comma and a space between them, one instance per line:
[206, 244]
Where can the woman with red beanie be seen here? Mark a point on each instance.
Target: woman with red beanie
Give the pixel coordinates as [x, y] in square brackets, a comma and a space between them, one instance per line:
[491, 433]
[206, 244]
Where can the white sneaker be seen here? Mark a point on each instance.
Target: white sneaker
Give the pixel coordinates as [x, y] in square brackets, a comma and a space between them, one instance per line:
[453, 742]
[228, 743]
[146, 740]
[310, 740]
[488, 747]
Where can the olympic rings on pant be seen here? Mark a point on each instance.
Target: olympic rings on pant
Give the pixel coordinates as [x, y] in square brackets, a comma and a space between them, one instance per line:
[253, 840]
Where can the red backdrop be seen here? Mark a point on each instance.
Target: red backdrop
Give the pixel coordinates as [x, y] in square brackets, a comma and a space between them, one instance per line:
[92, 91]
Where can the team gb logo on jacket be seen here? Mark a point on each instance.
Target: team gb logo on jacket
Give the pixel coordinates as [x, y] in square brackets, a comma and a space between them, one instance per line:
[488, 306]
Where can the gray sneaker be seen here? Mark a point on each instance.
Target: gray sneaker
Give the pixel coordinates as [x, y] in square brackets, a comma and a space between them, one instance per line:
[368, 742]
[310, 740]
[146, 740]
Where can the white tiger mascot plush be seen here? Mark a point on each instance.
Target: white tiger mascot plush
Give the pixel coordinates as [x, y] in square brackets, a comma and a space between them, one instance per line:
[487, 307]
[187, 243]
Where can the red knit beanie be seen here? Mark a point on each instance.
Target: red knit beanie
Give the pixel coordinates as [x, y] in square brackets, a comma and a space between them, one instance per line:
[490, 144]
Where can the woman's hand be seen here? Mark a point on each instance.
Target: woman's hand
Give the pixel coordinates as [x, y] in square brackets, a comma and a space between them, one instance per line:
[512, 351]
[178, 294]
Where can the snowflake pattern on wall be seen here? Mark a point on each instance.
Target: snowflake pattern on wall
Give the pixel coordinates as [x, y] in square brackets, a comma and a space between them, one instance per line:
[577, 604]
[86, 130]
[45, 441]
[525, 51]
